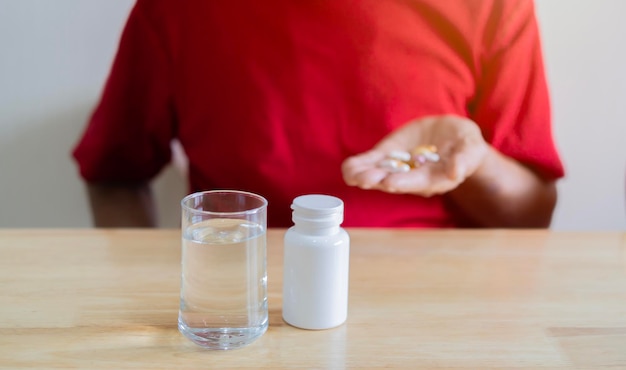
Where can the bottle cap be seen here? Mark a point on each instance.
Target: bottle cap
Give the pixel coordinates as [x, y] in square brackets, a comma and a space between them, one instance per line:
[317, 209]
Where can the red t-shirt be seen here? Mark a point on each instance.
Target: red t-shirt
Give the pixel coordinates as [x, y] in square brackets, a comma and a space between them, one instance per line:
[272, 96]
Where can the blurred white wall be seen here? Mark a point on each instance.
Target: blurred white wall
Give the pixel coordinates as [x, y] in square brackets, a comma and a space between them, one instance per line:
[585, 51]
[54, 57]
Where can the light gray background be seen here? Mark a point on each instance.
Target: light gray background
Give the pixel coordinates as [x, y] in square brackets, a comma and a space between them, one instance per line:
[55, 55]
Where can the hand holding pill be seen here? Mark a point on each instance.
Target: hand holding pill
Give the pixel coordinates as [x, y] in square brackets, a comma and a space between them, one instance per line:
[428, 156]
[404, 161]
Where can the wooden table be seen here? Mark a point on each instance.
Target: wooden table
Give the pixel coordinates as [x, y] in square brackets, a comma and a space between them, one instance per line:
[96, 299]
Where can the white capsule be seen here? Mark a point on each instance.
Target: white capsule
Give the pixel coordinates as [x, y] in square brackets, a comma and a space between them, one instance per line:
[431, 156]
[400, 155]
[394, 165]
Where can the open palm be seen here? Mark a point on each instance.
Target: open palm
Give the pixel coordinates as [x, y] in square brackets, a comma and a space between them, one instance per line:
[459, 143]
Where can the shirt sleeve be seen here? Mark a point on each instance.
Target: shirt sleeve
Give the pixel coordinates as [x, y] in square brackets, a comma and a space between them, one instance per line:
[512, 104]
[128, 136]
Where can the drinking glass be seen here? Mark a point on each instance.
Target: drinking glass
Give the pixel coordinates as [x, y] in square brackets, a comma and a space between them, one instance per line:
[223, 294]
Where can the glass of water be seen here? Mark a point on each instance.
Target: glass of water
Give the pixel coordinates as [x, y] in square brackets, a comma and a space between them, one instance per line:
[223, 294]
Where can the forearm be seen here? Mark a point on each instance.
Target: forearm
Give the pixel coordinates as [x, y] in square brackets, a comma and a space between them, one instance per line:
[502, 193]
[122, 205]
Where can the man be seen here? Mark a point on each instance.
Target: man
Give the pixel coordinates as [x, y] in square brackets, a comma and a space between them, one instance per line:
[284, 98]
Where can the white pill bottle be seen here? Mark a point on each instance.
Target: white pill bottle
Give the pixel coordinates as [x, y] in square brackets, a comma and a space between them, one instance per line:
[316, 264]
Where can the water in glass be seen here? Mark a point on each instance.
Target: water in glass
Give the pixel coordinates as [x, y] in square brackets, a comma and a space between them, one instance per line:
[223, 302]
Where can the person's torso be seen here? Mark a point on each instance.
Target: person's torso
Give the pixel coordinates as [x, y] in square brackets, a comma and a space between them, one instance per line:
[271, 97]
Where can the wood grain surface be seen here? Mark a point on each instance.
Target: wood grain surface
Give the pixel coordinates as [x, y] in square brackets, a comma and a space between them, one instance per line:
[441, 299]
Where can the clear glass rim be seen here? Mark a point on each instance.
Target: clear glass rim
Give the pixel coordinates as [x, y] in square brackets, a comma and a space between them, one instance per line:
[187, 208]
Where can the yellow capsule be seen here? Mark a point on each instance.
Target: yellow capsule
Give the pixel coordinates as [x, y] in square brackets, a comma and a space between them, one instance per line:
[423, 149]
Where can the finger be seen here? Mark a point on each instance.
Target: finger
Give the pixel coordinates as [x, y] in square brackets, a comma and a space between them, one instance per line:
[425, 181]
[353, 166]
[370, 178]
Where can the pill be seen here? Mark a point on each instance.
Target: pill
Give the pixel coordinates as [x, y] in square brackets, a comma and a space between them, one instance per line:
[421, 149]
[400, 155]
[403, 161]
[430, 156]
[419, 160]
[424, 153]
[394, 165]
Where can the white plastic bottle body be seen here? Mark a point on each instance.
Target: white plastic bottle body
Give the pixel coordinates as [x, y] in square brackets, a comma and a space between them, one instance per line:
[315, 278]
